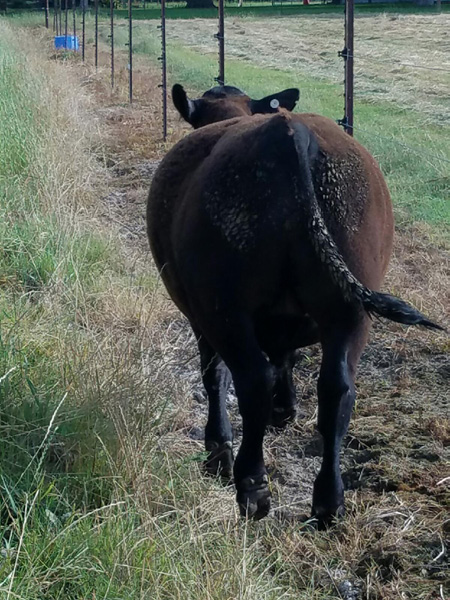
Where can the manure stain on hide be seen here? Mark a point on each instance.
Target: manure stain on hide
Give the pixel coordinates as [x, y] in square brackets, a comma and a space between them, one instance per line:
[341, 188]
[233, 216]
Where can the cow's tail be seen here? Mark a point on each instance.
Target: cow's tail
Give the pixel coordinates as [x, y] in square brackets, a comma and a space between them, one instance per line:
[384, 305]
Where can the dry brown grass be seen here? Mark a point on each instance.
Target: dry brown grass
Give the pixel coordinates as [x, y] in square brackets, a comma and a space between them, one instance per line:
[130, 132]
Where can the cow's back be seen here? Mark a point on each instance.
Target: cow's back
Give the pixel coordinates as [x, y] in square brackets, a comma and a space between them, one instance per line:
[237, 175]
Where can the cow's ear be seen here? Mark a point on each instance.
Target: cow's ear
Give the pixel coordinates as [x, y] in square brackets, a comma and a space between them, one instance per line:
[184, 105]
[270, 104]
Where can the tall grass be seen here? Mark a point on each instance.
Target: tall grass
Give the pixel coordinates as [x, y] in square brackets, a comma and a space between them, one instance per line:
[96, 498]
[55, 437]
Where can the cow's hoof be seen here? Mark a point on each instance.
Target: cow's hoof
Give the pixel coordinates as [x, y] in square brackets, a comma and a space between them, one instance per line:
[220, 460]
[282, 416]
[253, 497]
[326, 517]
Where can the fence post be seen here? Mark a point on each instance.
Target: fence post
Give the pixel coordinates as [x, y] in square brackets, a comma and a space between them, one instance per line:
[347, 55]
[83, 29]
[66, 18]
[111, 35]
[47, 8]
[74, 8]
[220, 36]
[96, 36]
[130, 49]
[163, 60]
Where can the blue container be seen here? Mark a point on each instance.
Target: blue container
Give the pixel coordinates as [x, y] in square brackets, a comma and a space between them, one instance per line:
[69, 43]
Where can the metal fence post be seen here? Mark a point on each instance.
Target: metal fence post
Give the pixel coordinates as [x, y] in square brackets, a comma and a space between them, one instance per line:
[111, 35]
[66, 18]
[83, 30]
[46, 13]
[74, 14]
[220, 36]
[347, 55]
[163, 60]
[130, 50]
[96, 36]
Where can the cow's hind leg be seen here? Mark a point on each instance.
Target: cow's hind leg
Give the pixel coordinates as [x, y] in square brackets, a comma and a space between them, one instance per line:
[234, 339]
[341, 346]
[218, 432]
[254, 383]
[284, 400]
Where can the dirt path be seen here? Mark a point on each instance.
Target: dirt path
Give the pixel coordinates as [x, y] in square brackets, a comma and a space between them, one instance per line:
[397, 454]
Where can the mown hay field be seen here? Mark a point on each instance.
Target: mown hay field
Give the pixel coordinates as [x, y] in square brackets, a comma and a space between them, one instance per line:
[397, 58]
[102, 493]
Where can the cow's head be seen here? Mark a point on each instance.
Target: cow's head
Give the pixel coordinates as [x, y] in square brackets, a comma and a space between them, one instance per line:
[225, 102]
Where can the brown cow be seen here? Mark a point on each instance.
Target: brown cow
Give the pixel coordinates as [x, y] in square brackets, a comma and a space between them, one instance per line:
[271, 233]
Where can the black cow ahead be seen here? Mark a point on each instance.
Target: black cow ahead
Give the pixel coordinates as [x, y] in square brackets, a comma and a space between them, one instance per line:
[271, 232]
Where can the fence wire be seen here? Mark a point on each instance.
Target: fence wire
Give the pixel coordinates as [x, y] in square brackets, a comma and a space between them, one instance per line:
[391, 62]
[348, 54]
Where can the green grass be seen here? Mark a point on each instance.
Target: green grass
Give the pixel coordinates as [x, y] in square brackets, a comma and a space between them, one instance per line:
[51, 415]
[57, 444]
[414, 155]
